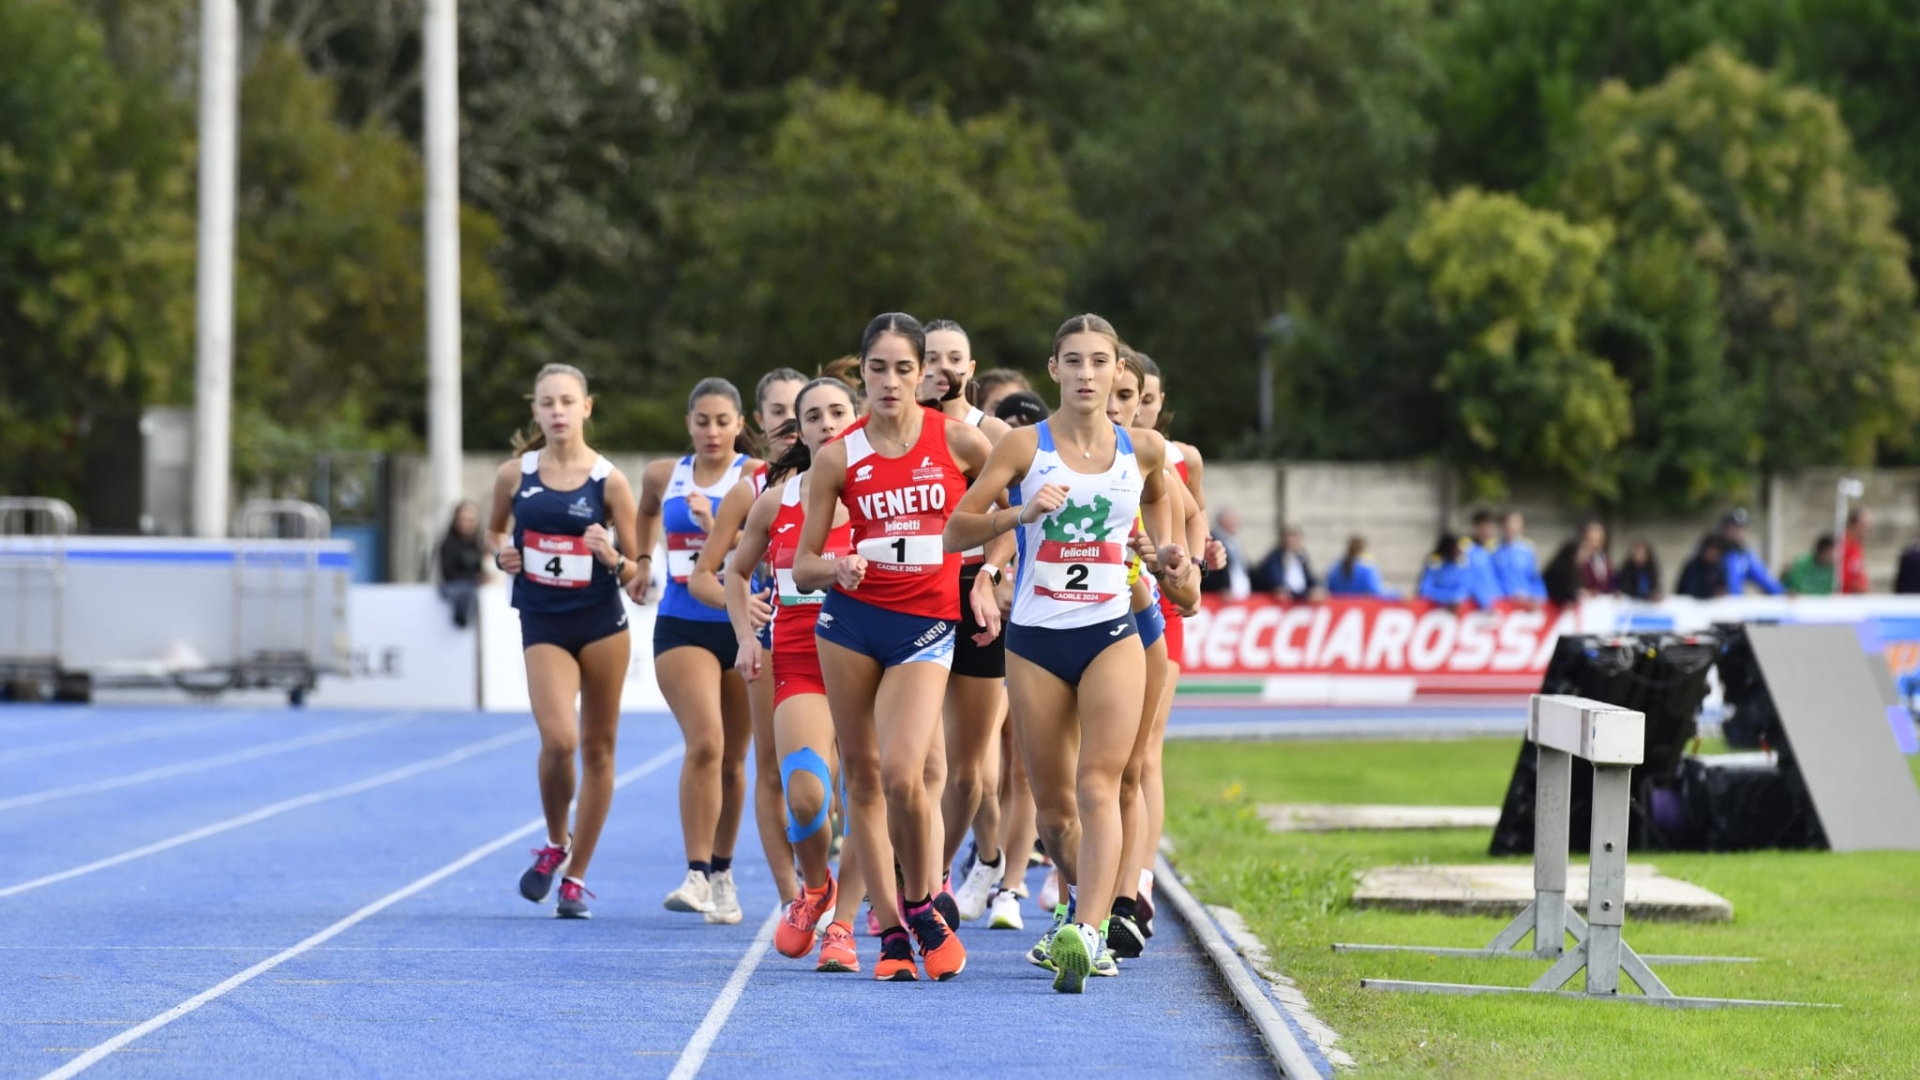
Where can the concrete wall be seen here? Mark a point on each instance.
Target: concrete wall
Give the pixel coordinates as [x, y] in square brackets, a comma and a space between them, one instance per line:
[1399, 508]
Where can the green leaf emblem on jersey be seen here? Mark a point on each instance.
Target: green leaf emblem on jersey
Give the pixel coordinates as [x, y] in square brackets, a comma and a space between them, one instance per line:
[1075, 523]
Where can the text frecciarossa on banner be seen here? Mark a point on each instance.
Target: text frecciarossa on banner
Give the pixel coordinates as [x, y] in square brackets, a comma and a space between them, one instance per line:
[1445, 650]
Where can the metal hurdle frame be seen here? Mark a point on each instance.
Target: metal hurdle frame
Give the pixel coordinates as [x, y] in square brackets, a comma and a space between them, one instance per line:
[1613, 739]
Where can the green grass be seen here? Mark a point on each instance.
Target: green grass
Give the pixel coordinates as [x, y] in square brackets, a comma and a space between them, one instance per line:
[1842, 929]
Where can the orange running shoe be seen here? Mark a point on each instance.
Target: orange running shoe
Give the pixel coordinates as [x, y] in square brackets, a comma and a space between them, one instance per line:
[794, 937]
[939, 946]
[837, 951]
[896, 960]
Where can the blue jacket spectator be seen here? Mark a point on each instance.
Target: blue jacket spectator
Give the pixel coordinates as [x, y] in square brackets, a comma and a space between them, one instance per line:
[1516, 565]
[1451, 577]
[1356, 575]
[1479, 549]
[1739, 564]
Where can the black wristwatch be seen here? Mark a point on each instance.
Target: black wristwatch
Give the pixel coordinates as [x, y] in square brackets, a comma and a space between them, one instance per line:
[993, 571]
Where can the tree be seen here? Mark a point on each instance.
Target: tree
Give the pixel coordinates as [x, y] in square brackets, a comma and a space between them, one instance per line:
[861, 207]
[96, 243]
[1228, 150]
[1755, 185]
[1461, 328]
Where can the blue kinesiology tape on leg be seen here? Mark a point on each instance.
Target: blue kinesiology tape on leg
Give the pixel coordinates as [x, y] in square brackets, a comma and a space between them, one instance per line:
[806, 760]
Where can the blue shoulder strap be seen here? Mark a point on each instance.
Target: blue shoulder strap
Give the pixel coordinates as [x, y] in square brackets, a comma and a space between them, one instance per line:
[1045, 429]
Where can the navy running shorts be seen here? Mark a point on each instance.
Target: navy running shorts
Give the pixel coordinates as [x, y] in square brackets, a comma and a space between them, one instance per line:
[1153, 625]
[987, 661]
[573, 630]
[1068, 653]
[888, 636]
[716, 637]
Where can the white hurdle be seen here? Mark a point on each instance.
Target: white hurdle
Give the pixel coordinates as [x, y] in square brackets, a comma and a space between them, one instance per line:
[1613, 739]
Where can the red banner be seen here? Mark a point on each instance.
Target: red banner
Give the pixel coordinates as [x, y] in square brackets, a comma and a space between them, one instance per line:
[1302, 651]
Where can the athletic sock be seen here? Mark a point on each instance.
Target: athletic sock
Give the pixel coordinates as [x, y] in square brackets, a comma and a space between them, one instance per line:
[722, 863]
[915, 907]
[1103, 927]
[1073, 902]
[994, 863]
[577, 881]
[1123, 907]
[705, 870]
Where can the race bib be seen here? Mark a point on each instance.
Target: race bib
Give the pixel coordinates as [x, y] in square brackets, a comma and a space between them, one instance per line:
[561, 562]
[683, 551]
[1079, 573]
[791, 594]
[907, 553]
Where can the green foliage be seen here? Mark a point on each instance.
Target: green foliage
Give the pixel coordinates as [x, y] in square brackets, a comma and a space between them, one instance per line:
[1228, 150]
[1752, 184]
[1484, 305]
[877, 209]
[96, 243]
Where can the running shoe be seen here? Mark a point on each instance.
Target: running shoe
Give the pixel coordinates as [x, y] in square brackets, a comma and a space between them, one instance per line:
[1041, 955]
[1050, 891]
[1104, 962]
[1038, 856]
[548, 863]
[837, 951]
[873, 921]
[726, 899]
[949, 910]
[695, 894]
[1124, 937]
[571, 905]
[794, 937]
[939, 946]
[1006, 911]
[1143, 913]
[1073, 951]
[976, 886]
[896, 960]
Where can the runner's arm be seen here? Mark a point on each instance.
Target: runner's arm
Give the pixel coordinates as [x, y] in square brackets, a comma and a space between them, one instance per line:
[826, 480]
[704, 582]
[747, 553]
[976, 522]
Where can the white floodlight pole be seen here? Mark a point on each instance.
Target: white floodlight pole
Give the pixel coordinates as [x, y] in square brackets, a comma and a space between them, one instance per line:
[213, 287]
[442, 148]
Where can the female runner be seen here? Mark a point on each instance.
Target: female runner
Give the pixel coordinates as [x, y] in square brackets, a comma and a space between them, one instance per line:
[1075, 666]
[693, 649]
[886, 632]
[773, 413]
[803, 727]
[573, 627]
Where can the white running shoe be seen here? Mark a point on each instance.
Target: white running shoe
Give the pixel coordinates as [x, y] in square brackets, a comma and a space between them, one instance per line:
[1006, 911]
[1050, 891]
[977, 888]
[726, 899]
[695, 894]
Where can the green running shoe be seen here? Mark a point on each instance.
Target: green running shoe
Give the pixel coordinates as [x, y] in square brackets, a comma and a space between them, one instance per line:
[1074, 948]
[1041, 954]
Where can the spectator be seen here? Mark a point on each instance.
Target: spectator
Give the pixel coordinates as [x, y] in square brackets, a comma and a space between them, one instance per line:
[1853, 553]
[992, 386]
[1639, 577]
[1562, 577]
[1705, 575]
[1907, 577]
[462, 564]
[1356, 575]
[1450, 577]
[1738, 563]
[1596, 567]
[1235, 580]
[1021, 408]
[1812, 573]
[1285, 571]
[1515, 565]
[1479, 548]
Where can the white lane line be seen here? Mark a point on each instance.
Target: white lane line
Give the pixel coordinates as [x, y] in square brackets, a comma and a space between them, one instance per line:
[94, 742]
[106, 1049]
[391, 776]
[182, 768]
[695, 1055]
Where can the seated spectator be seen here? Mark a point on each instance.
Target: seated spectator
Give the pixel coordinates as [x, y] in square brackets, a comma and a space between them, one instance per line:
[1705, 575]
[1478, 548]
[1639, 577]
[1236, 578]
[1906, 578]
[1285, 571]
[1356, 575]
[1515, 565]
[1812, 573]
[462, 566]
[1596, 567]
[1450, 578]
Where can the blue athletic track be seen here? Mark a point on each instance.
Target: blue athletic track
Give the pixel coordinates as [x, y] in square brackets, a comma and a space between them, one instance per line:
[274, 893]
